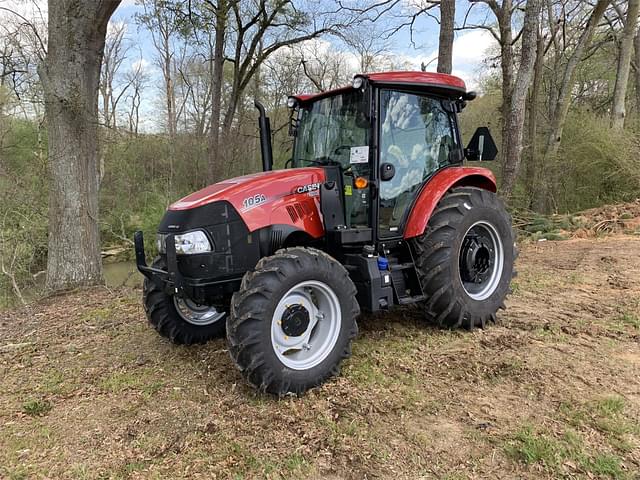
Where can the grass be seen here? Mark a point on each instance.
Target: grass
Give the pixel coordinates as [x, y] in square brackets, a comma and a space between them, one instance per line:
[532, 447]
[555, 453]
[412, 401]
[629, 319]
[606, 465]
[37, 407]
[607, 416]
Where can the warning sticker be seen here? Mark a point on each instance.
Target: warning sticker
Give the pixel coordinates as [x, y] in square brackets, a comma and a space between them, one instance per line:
[359, 154]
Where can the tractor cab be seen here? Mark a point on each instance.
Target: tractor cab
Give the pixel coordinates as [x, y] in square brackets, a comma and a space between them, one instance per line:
[384, 137]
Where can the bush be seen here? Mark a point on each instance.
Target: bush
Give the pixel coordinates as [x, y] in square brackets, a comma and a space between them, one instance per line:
[596, 165]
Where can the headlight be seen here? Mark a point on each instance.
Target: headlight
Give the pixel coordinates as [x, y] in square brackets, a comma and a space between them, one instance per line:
[192, 242]
[357, 82]
[186, 243]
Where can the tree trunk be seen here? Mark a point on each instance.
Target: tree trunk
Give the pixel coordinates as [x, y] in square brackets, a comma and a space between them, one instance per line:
[445, 44]
[70, 77]
[506, 63]
[172, 121]
[215, 160]
[561, 107]
[533, 170]
[515, 121]
[636, 44]
[624, 64]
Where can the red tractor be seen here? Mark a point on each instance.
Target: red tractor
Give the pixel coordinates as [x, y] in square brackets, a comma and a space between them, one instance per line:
[374, 209]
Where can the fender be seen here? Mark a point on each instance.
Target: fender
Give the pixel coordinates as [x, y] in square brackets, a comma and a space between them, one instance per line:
[437, 187]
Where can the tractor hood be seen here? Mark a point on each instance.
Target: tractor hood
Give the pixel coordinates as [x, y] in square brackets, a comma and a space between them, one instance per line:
[273, 185]
[267, 198]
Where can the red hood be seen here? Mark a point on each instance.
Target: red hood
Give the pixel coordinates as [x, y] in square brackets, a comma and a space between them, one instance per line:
[275, 183]
[282, 197]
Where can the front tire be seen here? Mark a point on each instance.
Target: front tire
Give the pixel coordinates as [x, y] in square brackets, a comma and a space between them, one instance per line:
[465, 258]
[179, 319]
[292, 321]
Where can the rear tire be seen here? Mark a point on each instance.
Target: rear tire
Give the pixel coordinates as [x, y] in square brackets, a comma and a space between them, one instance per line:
[465, 258]
[163, 314]
[292, 321]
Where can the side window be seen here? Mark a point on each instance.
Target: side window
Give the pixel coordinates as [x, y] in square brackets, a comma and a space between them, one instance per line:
[417, 137]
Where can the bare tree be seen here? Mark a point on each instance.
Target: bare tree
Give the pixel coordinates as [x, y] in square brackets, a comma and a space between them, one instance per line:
[445, 43]
[161, 20]
[22, 50]
[221, 15]
[624, 65]
[259, 30]
[560, 105]
[70, 76]
[515, 85]
[115, 53]
[137, 79]
[532, 172]
[512, 154]
[369, 44]
[324, 69]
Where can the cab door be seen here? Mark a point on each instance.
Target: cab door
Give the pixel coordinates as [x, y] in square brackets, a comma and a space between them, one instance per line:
[416, 136]
[337, 130]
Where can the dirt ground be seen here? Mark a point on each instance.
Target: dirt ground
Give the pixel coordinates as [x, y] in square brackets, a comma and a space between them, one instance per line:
[88, 390]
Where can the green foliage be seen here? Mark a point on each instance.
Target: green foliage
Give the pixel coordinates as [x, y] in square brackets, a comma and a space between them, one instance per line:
[143, 175]
[595, 165]
[23, 209]
[37, 407]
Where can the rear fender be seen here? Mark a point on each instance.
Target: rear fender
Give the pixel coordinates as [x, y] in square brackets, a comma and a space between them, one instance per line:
[437, 187]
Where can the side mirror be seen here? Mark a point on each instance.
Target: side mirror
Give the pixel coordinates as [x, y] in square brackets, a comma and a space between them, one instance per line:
[387, 171]
[481, 146]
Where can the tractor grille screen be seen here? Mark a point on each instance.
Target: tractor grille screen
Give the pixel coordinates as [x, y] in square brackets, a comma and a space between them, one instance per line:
[234, 249]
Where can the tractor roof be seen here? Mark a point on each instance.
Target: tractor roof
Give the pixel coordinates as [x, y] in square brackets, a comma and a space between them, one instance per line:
[441, 82]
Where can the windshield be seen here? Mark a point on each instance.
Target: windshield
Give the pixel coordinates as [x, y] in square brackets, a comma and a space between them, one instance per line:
[330, 128]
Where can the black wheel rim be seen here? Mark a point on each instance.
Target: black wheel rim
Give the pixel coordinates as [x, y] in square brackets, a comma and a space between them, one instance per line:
[481, 260]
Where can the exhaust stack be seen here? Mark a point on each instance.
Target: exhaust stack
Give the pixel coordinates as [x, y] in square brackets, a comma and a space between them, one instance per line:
[265, 138]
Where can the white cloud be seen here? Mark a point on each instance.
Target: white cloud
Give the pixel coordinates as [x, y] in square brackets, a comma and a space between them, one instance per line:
[140, 65]
[116, 26]
[469, 52]
[471, 47]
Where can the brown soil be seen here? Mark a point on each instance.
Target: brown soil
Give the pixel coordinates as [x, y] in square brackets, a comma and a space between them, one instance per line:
[88, 390]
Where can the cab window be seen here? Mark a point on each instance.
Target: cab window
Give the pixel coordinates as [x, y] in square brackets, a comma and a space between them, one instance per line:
[417, 137]
[337, 130]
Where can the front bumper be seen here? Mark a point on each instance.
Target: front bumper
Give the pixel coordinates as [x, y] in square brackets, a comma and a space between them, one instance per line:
[173, 282]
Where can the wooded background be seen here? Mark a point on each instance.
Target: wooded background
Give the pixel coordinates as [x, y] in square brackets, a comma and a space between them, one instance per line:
[560, 89]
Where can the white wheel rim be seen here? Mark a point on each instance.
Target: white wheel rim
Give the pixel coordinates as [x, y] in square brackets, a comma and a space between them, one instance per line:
[484, 284]
[314, 344]
[196, 314]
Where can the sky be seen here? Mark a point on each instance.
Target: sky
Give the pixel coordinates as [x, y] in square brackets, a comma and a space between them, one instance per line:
[469, 49]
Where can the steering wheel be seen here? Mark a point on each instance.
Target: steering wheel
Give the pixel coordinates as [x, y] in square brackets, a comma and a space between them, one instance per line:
[328, 161]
